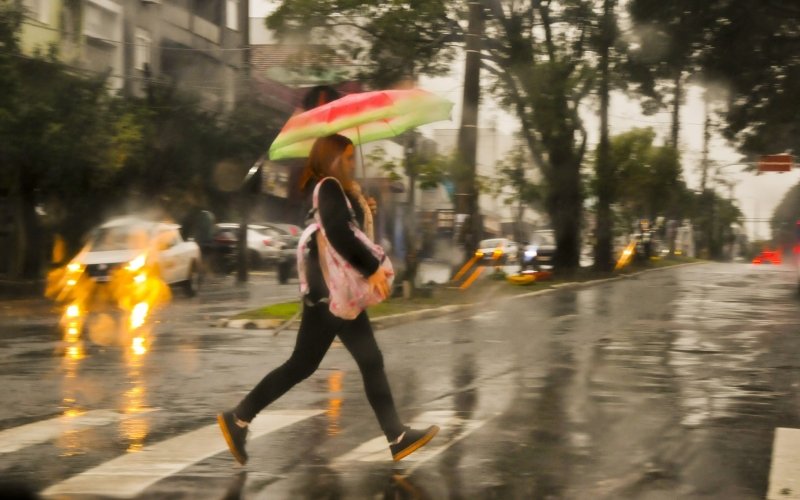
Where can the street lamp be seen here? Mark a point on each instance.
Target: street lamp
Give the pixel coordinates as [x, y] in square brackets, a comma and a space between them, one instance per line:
[250, 185]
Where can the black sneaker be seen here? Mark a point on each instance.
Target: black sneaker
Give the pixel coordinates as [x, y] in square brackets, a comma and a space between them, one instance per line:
[234, 435]
[411, 441]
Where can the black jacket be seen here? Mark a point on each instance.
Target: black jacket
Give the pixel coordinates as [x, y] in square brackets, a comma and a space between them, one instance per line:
[336, 218]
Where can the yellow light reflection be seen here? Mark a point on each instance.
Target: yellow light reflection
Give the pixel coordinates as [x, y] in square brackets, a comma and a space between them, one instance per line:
[75, 352]
[72, 412]
[135, 428]
[138, 346]
[139, 314]
[334, 410]
[73, 311]
[73, 267]
[70, 442]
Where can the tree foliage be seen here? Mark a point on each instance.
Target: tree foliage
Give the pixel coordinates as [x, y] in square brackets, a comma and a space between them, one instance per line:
[390, 41]
[515, 188]
[748, 48]
[647, 178]
[786, 217]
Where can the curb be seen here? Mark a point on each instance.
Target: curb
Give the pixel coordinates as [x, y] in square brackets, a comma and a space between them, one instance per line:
[398, 319]
[251, 324]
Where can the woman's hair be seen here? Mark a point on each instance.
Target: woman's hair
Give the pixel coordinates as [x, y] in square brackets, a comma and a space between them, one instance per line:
[324, 151]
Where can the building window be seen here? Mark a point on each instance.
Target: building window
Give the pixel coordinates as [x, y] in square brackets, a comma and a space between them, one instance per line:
[38, 9]
[142, 48]
[102, 27]
[232, 14]
[100, 23]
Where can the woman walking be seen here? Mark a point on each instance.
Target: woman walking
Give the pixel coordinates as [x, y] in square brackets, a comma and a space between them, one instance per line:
[331, 156]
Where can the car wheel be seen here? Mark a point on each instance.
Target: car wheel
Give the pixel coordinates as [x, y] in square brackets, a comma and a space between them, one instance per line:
[192, 283]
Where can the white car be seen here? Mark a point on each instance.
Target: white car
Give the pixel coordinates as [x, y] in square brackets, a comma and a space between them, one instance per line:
[265, 245]
[497, 250]
[133, 242]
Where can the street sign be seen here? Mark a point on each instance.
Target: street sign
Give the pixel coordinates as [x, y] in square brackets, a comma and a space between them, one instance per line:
[775, 163]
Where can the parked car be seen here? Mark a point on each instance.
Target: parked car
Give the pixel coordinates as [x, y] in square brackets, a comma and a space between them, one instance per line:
[290, 234]
[267, 247]
[540, 250]
[497, 250]
[264, 245]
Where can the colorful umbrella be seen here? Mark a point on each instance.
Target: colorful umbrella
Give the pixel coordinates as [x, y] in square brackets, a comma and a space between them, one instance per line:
[363, 117]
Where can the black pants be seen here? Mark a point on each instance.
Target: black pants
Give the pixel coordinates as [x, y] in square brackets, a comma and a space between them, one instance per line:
[318, 328]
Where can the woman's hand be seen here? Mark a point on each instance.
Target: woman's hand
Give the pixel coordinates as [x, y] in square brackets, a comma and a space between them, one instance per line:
[378, 283]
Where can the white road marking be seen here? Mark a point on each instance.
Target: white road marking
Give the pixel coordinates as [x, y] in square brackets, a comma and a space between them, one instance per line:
[128, 475]
[784, 474]
[377, 449]
[38, 432]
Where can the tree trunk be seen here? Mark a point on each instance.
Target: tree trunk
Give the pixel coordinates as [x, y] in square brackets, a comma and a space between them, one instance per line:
[467, 193]
[564, 204]
[603, 253]
[31, 241]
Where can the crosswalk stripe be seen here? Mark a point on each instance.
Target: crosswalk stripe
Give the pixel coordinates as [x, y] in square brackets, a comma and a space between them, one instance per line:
[20, 437]
[784, 474]
[128, 475]
[377, 449]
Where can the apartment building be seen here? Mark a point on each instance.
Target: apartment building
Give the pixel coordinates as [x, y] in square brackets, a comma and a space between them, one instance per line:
[195, 45]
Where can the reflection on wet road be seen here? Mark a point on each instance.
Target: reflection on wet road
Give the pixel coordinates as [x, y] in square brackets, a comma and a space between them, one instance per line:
[666, 385]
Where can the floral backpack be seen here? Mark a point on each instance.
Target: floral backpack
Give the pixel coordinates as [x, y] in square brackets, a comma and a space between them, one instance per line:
[349, 290]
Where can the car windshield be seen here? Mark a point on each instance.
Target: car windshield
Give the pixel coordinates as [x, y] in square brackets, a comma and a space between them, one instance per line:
[543, 238]
[133, 237]
[492, 243]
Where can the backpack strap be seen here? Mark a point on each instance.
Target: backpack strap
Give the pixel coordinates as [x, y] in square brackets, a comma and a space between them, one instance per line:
[315, 200]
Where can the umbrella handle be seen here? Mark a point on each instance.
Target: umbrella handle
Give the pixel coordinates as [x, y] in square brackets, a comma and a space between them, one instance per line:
[361, 155]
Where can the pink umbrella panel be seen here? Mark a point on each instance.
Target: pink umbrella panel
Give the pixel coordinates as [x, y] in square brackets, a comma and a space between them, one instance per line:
[364, 117]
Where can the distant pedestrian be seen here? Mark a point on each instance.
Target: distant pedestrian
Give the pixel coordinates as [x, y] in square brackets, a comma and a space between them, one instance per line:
[331, 156]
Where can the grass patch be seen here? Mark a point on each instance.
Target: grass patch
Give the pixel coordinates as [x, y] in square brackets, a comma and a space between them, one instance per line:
[440, 297]
[283, 310]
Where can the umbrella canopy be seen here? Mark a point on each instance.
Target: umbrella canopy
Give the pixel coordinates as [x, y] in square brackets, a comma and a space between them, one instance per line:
[363, 117]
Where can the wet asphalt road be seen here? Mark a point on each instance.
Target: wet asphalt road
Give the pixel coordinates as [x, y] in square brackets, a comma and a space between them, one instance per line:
[666, 385]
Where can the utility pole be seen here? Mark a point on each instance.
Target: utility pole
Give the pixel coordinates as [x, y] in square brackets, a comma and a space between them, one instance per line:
[467, 200]
[412, 242]
[605, 170]
[705, 162]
